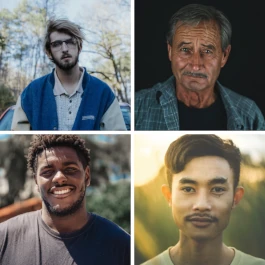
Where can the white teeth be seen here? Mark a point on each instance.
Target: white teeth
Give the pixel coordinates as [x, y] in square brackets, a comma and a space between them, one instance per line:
[61, 191]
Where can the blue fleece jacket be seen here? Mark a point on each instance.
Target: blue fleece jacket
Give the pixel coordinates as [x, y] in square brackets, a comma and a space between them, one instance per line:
[38, 102]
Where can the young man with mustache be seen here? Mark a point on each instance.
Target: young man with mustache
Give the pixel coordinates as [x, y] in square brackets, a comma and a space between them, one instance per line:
[68, 98]
[62, 232]
[203, 175]
[199, 44]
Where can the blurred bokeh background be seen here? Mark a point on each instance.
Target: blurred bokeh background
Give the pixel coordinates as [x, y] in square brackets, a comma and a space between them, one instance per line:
[154, 228]
[109, 192]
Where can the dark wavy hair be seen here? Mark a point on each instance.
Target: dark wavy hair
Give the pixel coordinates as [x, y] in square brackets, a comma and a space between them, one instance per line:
[189, 146]
[47, 141]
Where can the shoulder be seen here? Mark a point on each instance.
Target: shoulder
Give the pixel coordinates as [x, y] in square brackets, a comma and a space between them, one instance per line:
[235, 98]
[151, 95]
[41, 80]
[109, 229]
[246, 259]
[19, 225]
[37, 85]
[94, 81]
[161, 259]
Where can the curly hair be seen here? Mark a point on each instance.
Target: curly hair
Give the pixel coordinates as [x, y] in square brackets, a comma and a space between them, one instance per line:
[47, 141]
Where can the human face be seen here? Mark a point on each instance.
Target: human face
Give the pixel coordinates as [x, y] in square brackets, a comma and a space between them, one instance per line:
[61, 180]
[196, 56]
[202, 197]
[65, 58]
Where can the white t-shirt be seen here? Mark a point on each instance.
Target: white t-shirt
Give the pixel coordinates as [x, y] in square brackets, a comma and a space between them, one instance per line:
[240, 258]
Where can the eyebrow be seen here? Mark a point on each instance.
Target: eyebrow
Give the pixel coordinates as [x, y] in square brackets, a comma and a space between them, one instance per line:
[216, 180]
[67, 163]
[183, 43]
[210, 46]
[61, 40]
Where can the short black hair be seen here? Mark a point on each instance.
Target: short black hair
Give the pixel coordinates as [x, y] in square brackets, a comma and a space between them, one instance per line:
[189, 146]
[47, 141]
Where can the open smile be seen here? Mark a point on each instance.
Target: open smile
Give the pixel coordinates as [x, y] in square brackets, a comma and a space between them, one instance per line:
[61, 192]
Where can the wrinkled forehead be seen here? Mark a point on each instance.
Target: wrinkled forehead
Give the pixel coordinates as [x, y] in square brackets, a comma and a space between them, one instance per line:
[204, 27]
[206, 32]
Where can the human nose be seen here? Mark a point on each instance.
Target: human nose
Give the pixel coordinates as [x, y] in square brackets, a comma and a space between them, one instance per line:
[64, 46]
[59, 178]
[202, 202]
[196, 61]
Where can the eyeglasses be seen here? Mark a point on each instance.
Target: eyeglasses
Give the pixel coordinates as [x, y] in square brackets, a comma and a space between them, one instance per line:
[57, 45]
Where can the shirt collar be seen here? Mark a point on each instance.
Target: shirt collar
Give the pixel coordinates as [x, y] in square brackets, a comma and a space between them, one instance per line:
[59, 89]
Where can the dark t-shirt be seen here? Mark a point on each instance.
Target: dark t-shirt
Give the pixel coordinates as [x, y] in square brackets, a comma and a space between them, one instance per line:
[210, 118]
[27, 240]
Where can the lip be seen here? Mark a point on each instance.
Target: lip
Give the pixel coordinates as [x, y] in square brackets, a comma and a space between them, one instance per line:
[61, 192]
[66, 57]
[201, 222]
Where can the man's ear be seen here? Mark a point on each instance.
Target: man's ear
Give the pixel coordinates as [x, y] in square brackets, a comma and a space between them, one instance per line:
[167, 193]
[169, 49]
[87, 176]
[239, 193]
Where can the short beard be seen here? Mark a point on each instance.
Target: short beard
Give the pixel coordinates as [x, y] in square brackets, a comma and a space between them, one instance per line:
[68, 210]
[64, 66]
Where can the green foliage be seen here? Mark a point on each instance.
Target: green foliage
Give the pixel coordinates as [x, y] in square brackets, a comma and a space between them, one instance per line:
[112, 202]
[6, 98]
[153, 217]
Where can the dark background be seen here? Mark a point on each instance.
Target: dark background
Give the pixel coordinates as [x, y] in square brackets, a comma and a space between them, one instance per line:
[244, 72]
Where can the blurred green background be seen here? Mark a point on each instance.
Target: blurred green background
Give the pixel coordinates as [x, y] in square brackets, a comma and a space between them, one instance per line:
[154, 228]
[109, 192]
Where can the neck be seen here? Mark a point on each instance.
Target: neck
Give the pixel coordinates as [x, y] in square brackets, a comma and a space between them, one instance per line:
[196, 99]
[70, 78]
[65, 224]
[204, 252]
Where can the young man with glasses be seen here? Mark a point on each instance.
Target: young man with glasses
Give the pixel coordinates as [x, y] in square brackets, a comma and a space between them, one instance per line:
[68, 98]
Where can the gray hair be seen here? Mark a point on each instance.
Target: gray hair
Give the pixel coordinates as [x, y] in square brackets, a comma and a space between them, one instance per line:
[193, 14]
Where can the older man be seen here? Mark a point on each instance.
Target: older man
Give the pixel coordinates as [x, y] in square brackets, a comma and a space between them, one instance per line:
[199, 44]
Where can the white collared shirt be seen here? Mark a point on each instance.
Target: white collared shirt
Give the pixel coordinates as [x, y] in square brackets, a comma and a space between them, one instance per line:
[67, 105]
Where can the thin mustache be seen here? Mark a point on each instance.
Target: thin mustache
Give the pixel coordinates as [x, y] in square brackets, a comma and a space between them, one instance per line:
[195, 74]
[66, 55]
[208, 216]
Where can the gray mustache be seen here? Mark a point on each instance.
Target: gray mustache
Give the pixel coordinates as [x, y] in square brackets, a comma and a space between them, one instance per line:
[195, 74]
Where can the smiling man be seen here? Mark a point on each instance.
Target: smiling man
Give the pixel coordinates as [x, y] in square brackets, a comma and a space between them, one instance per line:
[68, 98]
[199, 44]
[62, 232]
[203, 175]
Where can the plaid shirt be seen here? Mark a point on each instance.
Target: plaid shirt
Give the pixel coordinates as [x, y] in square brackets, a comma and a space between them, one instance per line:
[157, 109]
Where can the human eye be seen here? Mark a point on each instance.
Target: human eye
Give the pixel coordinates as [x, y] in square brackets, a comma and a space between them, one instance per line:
[188, 189]
[71, 42]
[70, 170]
[218, 190]
[46, 173]
[185, 49]
[56, 44]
